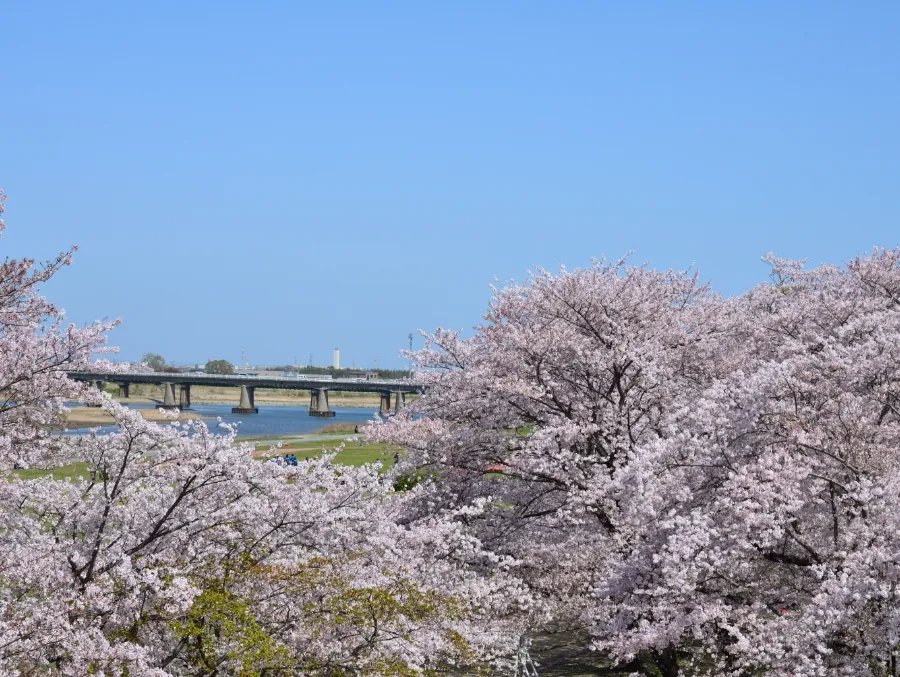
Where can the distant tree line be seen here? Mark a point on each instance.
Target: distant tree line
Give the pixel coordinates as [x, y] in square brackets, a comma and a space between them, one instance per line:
[158, 363]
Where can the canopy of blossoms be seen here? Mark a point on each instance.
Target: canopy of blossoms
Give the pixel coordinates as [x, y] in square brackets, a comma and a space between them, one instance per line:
[700, 484]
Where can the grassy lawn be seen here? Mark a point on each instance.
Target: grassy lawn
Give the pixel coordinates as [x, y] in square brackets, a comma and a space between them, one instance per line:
[351, 455]
[65, 472]
[314, 446]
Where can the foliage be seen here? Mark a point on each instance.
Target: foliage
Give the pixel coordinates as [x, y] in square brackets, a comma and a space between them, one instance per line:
[154, 361]
[705, 484]
[219, 367]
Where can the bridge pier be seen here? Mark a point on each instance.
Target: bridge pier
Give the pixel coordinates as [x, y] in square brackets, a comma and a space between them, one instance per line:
[168, 397]
[177, 388]
[247, 405]
[99, 386]
[318, 403]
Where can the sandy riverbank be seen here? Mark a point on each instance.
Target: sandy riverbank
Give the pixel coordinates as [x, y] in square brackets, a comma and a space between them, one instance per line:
[89, 417]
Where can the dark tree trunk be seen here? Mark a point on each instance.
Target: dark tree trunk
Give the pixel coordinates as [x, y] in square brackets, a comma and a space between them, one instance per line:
[667, 662]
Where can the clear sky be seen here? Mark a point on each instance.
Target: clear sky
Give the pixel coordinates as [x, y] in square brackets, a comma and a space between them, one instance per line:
[293, 177]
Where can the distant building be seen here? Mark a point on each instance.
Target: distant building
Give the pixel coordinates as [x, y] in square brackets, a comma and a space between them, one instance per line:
[337, 358]
[278, 373]
[360, 374]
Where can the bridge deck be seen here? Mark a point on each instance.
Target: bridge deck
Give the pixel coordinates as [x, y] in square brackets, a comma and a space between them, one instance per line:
[277, 382]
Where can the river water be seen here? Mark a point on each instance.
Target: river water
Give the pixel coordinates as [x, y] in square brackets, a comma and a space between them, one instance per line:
[272, 420]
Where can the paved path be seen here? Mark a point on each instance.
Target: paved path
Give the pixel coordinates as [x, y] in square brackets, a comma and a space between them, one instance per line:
[291, 439]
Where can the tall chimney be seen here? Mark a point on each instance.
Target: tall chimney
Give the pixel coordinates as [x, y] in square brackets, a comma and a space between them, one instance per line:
[337, 358]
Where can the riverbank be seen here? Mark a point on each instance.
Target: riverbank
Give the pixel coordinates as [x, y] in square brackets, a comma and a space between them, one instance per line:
[271, 422]
[90, 417]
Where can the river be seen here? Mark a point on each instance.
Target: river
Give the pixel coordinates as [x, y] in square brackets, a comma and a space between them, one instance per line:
[275, 421]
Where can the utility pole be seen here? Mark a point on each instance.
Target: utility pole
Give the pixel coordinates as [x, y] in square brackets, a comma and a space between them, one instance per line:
[409, 359]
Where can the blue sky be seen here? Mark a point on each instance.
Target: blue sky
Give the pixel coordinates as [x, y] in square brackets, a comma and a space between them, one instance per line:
[292, 177]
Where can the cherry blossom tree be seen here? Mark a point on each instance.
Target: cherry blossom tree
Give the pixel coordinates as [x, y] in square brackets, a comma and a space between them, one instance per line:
[777, 552]
[36, 349]
[552, 410]
[705, 485]
[173, 552]
[180, 554]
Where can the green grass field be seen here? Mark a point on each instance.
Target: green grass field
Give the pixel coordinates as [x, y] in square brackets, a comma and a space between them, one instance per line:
[351, 455]
[65, 472]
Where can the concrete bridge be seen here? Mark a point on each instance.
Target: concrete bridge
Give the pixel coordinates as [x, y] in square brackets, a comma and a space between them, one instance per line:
[393, 393]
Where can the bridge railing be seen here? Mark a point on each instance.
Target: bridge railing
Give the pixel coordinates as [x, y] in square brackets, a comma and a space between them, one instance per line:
[112, 376]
